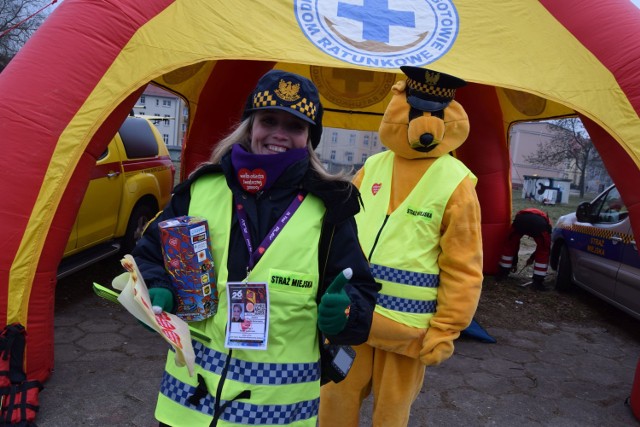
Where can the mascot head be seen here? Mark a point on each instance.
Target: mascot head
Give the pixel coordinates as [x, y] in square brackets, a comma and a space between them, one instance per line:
[423, 120]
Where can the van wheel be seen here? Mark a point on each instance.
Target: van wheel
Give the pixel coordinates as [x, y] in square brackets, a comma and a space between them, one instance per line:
[564, 274]
[138, 220]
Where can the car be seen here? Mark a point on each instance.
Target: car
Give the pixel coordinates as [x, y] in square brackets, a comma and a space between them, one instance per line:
[595, 249]
[132, 180]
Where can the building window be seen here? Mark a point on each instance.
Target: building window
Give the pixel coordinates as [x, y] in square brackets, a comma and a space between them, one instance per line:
[157, 102]
[166, 103]
[165, 138]
[142, 99]
[375, 141]
[364, 157]
[166, 121]
[352, 139]
[333, 154]
[366, 140]
[348, 155]
[334, 137]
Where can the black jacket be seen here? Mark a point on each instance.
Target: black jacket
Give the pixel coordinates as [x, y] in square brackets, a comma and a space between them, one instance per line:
[342, 203]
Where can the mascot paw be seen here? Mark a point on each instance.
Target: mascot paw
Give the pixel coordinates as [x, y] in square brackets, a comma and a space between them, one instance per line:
[439, 354]
[437, 346]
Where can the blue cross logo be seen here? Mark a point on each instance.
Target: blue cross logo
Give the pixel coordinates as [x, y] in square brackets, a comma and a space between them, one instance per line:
[376, 18]
[379, 33]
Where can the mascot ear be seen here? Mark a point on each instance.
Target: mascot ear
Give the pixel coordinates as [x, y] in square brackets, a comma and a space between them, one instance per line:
[399, 87]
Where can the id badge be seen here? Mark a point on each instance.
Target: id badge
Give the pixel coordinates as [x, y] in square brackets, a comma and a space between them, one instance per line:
[248, 315]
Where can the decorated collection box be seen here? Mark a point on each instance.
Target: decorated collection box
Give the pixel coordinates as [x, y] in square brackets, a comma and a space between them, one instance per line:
[188, 259]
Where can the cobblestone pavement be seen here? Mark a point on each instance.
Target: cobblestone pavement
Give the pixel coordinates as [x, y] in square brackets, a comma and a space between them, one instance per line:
[108, 368]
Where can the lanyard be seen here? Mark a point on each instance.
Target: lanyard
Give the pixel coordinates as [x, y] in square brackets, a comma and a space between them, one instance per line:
[254, 255]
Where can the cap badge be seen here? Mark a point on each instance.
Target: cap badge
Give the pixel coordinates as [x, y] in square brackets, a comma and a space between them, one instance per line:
[431, 78]
[288, 91]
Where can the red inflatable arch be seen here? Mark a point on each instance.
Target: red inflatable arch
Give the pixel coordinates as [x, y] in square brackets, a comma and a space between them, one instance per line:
[63, 96]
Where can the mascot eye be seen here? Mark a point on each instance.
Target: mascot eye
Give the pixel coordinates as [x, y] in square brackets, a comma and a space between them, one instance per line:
[439, 114]
[414, 113]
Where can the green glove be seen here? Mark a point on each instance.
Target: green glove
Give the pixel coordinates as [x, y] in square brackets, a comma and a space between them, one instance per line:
[161, 300]
[332, 311]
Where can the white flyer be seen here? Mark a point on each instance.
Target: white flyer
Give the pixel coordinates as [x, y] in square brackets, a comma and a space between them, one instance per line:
[135, 298]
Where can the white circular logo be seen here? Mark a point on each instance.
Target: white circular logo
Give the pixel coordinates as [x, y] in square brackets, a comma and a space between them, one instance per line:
[380, 33]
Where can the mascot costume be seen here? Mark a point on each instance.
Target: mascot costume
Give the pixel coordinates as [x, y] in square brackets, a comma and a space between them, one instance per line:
[420, 228]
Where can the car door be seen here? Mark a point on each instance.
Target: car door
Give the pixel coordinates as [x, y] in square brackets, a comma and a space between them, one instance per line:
[98, 214]
[628, 281]
[598, 252]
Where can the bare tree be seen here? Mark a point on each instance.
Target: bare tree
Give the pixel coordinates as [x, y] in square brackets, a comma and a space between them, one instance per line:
[18, 20]
[571, 146]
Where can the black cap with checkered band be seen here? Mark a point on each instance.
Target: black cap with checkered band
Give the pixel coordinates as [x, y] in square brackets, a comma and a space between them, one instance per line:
[429, 90]
[281, 90]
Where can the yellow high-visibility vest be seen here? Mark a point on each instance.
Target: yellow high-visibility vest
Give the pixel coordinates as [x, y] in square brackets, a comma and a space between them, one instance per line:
[284, 378]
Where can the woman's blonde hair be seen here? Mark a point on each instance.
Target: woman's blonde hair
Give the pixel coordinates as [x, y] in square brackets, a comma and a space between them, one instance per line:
[242, 135]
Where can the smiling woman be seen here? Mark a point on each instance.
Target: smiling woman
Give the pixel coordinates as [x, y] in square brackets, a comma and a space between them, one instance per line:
[271, 205]
[278, 132]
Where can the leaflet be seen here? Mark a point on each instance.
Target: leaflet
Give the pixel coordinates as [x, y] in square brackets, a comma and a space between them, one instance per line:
[135, 298]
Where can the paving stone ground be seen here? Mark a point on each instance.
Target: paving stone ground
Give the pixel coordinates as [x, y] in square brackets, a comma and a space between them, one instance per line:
[107, 372]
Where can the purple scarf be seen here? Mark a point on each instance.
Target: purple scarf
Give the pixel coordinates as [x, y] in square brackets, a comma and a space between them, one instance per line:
[258, 172]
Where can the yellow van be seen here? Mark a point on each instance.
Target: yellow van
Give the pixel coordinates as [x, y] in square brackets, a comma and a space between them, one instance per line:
[131, 182]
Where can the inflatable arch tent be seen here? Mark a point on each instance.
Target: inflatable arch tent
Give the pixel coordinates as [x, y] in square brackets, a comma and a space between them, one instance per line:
[65, 94]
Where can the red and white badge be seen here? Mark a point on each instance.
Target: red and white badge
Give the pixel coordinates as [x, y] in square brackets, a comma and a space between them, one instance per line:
[252, 180]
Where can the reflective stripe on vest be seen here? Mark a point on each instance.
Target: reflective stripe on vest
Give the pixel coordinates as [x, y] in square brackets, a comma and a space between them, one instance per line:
[237, 412]
[405, 257]
[281, 393]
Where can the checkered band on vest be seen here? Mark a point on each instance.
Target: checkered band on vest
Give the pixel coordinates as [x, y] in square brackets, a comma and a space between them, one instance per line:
[266, 99]
[431, 90]
[405, 277]
[406, 305]
[239, 412]
[253, 372]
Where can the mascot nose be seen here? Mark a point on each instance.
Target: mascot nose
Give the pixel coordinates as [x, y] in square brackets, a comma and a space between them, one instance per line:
[426, 139]
[425, 144]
